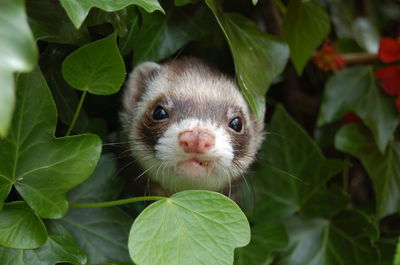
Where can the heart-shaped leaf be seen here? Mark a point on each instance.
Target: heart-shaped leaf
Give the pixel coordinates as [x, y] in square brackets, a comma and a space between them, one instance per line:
[96, 67]
[77, 10]
[343, 239]
[20, 227]
[294, 172]
[41, 167]
[18, 53]
[190, 227]
[253, 52]
[384, 169]
[354, 89]
[305, 26]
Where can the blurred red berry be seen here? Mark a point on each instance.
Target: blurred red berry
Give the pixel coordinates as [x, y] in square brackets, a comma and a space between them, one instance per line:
[351, 117]
[328, 59]
[390, 79]
[389, 50]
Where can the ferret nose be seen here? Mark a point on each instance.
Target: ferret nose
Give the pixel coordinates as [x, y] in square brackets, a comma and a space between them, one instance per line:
[196, 141]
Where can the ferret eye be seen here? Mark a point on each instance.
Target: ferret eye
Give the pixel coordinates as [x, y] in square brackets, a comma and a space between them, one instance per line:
[160, 113]
[236, 124]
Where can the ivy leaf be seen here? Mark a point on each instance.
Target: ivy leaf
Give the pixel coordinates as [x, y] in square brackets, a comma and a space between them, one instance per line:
[190, 227]
[305, 26]
[343, 239]
[366, 34]
[41, 167]
[49, 22]
[18, 53]
[162, 35]
[101, 232]
[96, 67]
[384, 169]
[20, 227]
[253, 52]
[294, 173]
[354, 89]
[58, 248]
[266, 238]
[78, 10]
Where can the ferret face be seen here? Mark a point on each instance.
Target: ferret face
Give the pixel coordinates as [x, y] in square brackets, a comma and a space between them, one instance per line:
[188, 125]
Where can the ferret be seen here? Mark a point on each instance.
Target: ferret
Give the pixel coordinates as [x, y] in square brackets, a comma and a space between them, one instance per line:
[188, 126]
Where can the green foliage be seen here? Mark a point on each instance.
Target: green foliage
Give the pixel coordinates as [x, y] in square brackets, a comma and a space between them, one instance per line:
[355, 89]
[384, 169]
[35, 162]
[20, 227]
[305, 26]
[18, 53]
[253, 51]
[96, 67]
[77, 10]
[200, 216]
[331, 201]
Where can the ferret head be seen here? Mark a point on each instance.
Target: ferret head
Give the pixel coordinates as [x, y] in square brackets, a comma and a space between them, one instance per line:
[188, 125]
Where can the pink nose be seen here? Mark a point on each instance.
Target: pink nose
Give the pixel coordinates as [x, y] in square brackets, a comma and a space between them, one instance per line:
[196, 141]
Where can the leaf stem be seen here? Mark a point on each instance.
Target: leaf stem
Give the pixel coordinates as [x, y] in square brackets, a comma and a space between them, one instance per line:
[76, 115]
[117, 202]
[281, 6]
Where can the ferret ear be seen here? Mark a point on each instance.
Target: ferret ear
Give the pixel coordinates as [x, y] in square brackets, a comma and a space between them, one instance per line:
[137, 82]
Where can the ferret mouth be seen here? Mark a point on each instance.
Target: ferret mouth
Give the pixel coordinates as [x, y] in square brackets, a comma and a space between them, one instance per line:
[195, 168]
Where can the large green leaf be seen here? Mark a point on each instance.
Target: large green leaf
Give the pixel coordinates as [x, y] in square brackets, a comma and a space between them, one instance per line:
[41, 167]
[341, 240]
[162, 35]
[190, 227]
[57, 249]
[49, 22]
[266, 238]
[77, 10]
[258, 57]
[126, 42]
[384, 169]
[293, 173]
[305, 26]
[96, 67]
[354, 89]
[18, 53]
[20, 227]
[101, 232]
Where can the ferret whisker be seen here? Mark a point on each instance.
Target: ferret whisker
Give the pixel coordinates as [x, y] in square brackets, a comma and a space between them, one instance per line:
[144, 172]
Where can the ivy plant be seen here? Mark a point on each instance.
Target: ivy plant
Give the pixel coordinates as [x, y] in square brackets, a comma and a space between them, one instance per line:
[325, 188]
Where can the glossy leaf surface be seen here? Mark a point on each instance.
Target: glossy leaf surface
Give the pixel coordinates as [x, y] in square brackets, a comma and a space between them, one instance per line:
[354, 89]
[305, 26]
[96, 67]
[343, 239]
[41, 167]
[18, 53]
[258, 57]
[384, 169]
[190, 227]
[77, 10]
[20, 227]
[294, 172]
